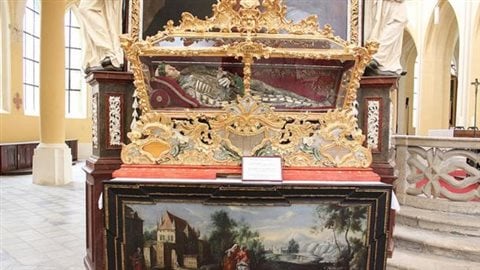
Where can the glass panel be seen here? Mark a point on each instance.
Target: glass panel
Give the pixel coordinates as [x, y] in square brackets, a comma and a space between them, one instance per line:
[67, 57]
[73, 21]
[36, 46]
[154, 21]
[26, 96]
[296, 84]
[36, 97]
[66, 19]
[36, 67]
[75, 79]
[29, 99]
[334, 13]
[36, 5]
[67, 36]
[30, 4]
[203, 82]
[202, 42]
[29, 72]
[191, 82]
[28, 22]
[75, 41]
[36, 25]
[76, 58]
[67, 79]
[75, 103]
[29, 50]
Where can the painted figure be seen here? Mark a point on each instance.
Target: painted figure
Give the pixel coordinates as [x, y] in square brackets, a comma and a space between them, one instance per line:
[137, 259]
[215, 87]
[230, 259]
[243, 261]
[101, 26]
[387, 24]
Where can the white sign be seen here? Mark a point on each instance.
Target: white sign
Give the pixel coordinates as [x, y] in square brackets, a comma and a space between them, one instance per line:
[261, 169]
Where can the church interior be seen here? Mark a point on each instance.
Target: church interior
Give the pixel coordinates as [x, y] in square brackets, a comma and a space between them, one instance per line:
[146, 134]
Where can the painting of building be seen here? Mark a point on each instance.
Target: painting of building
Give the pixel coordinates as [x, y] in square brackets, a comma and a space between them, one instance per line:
[178, 244]
[298, 237]
[134, 236]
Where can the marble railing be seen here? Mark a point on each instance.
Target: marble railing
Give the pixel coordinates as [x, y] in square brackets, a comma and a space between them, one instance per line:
[437, 167]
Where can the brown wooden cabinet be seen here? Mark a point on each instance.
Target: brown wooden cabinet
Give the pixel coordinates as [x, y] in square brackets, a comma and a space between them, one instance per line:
[8, 157]
[17, 157]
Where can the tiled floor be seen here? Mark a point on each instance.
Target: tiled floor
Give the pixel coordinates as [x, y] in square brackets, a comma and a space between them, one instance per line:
[42, 227]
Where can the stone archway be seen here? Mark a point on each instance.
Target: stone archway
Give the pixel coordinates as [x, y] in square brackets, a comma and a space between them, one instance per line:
[404, 98]
[441, 38]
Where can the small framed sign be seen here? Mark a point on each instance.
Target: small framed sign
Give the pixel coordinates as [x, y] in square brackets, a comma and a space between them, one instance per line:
[262, 169]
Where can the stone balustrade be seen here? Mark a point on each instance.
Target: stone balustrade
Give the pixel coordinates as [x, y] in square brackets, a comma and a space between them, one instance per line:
[437, 167]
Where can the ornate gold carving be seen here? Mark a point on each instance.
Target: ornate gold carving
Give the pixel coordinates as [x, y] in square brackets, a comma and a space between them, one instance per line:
[135, 20]
[332, 140]
[354, 21]
[363, 56]
[247, 126]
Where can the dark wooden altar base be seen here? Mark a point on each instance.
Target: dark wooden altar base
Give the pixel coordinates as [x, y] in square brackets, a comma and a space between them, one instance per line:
[97, 171]
[211, 173]
[106, 159]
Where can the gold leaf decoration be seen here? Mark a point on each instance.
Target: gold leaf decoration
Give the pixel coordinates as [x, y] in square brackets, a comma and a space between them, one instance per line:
[333, 140]
[246, 126]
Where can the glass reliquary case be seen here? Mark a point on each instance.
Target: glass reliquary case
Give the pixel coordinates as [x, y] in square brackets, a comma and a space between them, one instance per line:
[245, 81]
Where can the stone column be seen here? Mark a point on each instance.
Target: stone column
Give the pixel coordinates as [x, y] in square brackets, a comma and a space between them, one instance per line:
[52, 160]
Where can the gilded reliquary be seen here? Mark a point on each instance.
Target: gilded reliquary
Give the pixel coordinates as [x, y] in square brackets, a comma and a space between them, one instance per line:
[245, 81]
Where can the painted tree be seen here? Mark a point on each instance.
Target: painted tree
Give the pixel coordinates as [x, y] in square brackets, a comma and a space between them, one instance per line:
[222, 236]
[150, 235]
[293, 246]
[244, 236]
[344, 221]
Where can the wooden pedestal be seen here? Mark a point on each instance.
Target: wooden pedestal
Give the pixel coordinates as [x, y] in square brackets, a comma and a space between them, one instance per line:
[374, 119]
[111, 93]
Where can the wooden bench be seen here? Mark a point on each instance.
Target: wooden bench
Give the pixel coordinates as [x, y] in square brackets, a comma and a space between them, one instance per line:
[17, 157]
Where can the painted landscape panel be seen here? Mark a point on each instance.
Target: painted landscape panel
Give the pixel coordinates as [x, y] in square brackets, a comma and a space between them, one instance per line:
[197, 236]
[216, 225]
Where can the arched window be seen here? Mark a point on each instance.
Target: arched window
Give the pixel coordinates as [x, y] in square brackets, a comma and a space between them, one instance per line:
[416, 93]
[75, 98]
[4, 58]
[31, 57]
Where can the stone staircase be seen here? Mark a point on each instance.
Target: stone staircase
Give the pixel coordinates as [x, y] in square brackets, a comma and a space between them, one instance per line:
[436, 234]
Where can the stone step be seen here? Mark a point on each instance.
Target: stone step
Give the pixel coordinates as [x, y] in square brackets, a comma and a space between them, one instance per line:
[444, 205]
[444, 244]
[439, 221]
[407, 260]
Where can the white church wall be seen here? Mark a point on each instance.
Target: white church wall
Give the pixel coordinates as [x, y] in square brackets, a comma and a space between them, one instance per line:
[421, 15]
